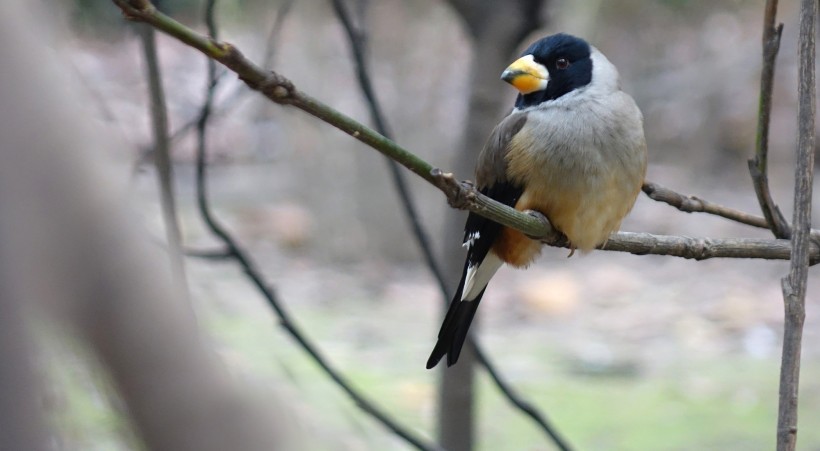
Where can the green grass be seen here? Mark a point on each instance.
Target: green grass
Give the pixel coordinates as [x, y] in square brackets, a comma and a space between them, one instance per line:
[726, 404]
[719, 405]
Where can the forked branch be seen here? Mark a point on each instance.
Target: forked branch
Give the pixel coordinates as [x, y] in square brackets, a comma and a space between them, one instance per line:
[758, 166]
[794, 285]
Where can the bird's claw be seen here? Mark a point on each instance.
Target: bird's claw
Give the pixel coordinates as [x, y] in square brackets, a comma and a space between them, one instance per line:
[557, 238]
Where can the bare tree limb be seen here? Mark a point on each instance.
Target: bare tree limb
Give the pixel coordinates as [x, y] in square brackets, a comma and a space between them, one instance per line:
[236, 251]
[357, 38]
[699, 248]
[208, 254]
[162, 157]
[275, 30]
[758, 166]
[520, 403]
[694, 204]
[795, 285]
[358, 41]
[230, 100]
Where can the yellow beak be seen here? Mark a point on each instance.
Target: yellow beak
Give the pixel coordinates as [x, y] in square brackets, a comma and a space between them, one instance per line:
[526, 75]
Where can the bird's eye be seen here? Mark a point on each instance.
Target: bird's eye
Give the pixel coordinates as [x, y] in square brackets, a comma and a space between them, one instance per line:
[562, 63]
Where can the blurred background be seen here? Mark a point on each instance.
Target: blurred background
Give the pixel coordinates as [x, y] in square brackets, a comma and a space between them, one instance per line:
[621, 352]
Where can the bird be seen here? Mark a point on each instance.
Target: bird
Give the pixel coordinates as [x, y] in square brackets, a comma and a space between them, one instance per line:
[572, 149]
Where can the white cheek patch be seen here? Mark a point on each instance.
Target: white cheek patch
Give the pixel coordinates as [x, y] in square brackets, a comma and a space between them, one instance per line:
[539, 69]
[541, 73]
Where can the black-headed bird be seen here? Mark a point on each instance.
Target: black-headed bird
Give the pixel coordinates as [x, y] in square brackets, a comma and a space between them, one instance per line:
[573, 149]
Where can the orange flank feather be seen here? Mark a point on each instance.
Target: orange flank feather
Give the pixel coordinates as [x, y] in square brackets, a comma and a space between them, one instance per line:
[514, 248]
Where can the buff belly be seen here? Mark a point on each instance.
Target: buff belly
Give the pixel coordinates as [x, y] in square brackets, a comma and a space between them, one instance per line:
[584, 188]
[586, 211]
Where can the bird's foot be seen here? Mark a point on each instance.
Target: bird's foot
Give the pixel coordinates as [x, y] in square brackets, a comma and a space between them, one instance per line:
[459, 194]
[555, 239]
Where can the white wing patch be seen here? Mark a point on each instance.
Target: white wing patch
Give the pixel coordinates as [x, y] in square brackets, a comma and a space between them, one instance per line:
[479, 276]
[471, 238]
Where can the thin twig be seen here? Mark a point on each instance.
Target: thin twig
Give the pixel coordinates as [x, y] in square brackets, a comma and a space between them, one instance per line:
[230, 100]
[162, 157]
[694, 204]
[700, 248]
[209, 254]
[275, 31]
[758, 166]
[794, 286]
[520, 403]
[358, 41]
[244, 260]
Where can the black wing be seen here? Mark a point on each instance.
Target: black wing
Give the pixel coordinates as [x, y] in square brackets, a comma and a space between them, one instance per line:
[479, 235]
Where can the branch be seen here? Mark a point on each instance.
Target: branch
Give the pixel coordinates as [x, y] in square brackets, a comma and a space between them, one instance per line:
[794, 286]
[209, 254]
[694, 204]
[231, 99]
[240, 255]
[162, 157]
[758, 165]
[700, 248]
[275, 30]
[357, 39]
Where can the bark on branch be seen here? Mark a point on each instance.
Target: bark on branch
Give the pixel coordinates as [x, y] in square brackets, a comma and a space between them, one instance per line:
[758, 166]
[694, 204]
[794, 286]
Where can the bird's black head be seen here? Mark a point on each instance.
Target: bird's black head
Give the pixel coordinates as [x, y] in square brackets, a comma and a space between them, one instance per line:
[549, 68]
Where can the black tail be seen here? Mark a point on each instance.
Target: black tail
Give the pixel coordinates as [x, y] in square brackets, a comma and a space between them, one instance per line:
[479, 235]
[455, 327]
